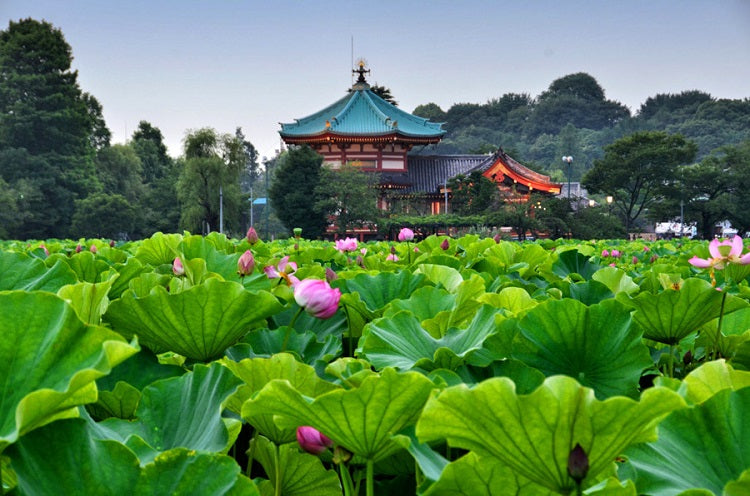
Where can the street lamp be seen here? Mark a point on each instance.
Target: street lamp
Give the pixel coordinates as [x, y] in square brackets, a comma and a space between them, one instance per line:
[610, 199]
[592, 203]
[568, 160]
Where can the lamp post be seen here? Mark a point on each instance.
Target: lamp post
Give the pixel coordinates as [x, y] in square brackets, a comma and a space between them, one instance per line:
[610, 199]
[568, 160]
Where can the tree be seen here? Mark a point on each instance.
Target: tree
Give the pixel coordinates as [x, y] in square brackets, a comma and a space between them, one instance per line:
[49, 128]
[736, 160]
[118, 168]
[431, 111]
[349, 195]
[637, 169]
[251, 170]
[384, 93]
[104, 215]
[473, 194]
[209, 183]
[292, 192]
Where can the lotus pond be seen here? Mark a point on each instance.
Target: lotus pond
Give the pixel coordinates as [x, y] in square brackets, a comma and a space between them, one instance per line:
[180, 364]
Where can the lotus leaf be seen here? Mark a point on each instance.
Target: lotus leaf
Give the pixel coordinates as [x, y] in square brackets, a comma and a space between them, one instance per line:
[705, 447]
[258, 372]
[86, 266]
[182, 411]
[671, 315]
[363, 420]
[377, 291]
[534, 434]
[20, 271]
[266, 342]
[513, 300]
[400, 341]
[572, 262]
[710, 378]
[159, 249]
[447, 277]
[596, 345]
[199, 323]
[616, 280]
[589, 292]
[348, 372]
[127, 271]
[735, 330]
[50, 360]
[89, 300]
[297, 473]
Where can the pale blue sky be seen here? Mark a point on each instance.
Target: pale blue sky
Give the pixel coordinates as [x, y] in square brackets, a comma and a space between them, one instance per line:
[190, 64]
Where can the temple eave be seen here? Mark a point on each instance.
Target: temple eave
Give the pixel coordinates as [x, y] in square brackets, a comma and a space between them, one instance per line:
[345, 138]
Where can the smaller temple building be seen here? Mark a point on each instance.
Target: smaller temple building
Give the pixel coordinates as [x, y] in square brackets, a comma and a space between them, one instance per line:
[364, 130]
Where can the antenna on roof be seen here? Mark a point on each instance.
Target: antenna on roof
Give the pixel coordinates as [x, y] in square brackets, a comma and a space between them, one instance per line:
[352, 61]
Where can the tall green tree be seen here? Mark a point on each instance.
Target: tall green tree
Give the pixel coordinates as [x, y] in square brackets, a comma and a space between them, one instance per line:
[473, 194]
[737, 160]
[49, 128]
[292, 192]
[637, 170]
[350, 196]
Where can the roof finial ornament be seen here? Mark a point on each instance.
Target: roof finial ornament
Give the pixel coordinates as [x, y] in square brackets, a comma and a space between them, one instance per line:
[361, 63]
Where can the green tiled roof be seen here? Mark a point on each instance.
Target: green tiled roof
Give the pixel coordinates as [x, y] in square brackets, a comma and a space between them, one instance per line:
[359, 113]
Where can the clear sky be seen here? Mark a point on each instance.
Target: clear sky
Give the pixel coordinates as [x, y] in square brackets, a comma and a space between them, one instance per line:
[186, 64]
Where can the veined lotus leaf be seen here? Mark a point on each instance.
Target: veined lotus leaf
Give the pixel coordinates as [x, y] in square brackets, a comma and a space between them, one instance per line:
[159, 249]
[671, 315]
[257, 372]
[20, 271]
[400, 341]
[86, 466]
[739, 487]
[363, 420]
[377, 291]
[449, 278]
[710, 378]
[574, 262]
[89, 300]
[526, 378]
[121, 402]
[534, 434]
[589, 292]
[181, 412]
[298, 473]
[348, 372]
[199, 323]
[127, 271]
[513, 300]
[597, 345]
[463, 311]
[734, 332]
[86, 266]
[305, 345]
[50, 360]
[424, 303]
[142, 285]
[322, 328]
[705, 447]
[616, 280]
[430, 462]
[219, 262]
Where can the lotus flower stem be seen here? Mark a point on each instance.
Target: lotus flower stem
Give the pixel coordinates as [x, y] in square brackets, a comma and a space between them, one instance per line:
[278, 470]
[349, 330]
[289, 329]
[251, 452]
[370, 489]
[715, 351]
[346, 480]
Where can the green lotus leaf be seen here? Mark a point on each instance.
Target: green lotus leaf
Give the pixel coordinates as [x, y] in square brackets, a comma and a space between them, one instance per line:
[86, 266]
[526, 378]
[159, 249]
[739, 487]
[572, 262]
[735, 330]
[121, 402]
[20, 271]
[127, 271]
[671, 315]
[447, 277]
[705, 447]
[181, 412]
[89, 300]
[424, 303]
[616, 280]
[534, 434]
[711, 378]
[589, 292]
[199, 323]
[379, 290]
[514, 300]
[142, 285]
[305, 345]
[362, 420]
[400, 341]
[182, 471]
[597, 345]
[348, 372]
[298, 474]
[67, 458]
[463, 311]
[257, 372]
[50, 360]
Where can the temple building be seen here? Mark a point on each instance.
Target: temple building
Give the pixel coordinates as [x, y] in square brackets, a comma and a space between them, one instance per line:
[364, 130]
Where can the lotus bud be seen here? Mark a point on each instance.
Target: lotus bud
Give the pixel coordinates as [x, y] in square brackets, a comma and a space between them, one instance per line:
[296, 246]
[317, 298]
[111, 243]
[615, 253]
[177, 267]
[405, 234]
[363, 251]
[44, 248]
[312, 440]
[646, 248]
[687, 358]
[605, 253]
[360, 261]
[93, 249]
[578, 464]
[330, 275]
[497, 238]
[653, 258]
[392, 257]
[252, 236]
[445, 244]
[612, 265]
[635, 260]
[245, 264]
[79, 248]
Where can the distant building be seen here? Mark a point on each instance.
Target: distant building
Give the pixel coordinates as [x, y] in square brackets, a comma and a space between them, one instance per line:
[363, 130]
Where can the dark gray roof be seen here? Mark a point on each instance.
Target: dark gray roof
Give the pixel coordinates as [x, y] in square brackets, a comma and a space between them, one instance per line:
[427, 173]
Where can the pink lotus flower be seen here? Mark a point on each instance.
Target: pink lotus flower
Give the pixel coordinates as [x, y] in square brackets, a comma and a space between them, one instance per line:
[405, 234]
[177, 268]
[392, 257]
[605, 253]
[312, 440]
[722, 253]
[615, 253]
[317, 298]
[245, 264]
[363, 251]
[347, 244]
[646, 248]
[283, 270]
[93, 249]
[252, 236]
